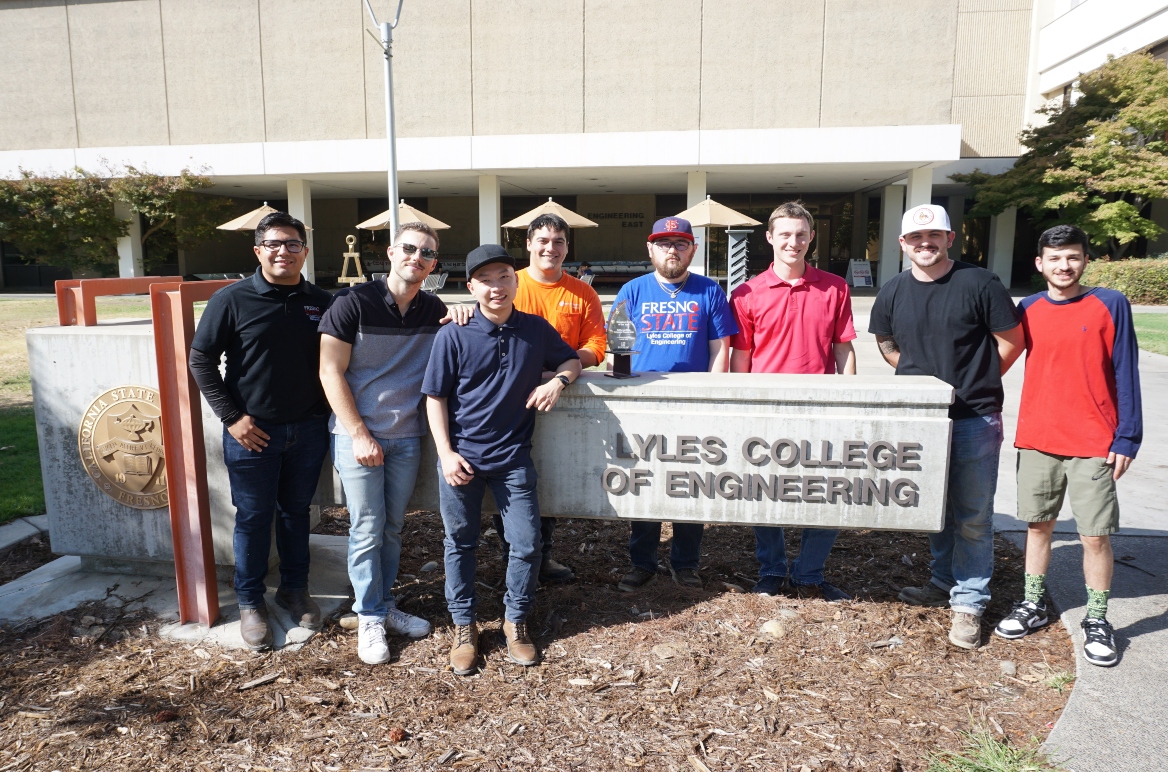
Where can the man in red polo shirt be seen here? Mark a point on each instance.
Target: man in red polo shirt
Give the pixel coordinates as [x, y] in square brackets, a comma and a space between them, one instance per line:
[793, 318]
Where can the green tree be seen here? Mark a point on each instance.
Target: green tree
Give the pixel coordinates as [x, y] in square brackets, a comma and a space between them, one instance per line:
[175, 215]
[67, 221]
[1098, 162]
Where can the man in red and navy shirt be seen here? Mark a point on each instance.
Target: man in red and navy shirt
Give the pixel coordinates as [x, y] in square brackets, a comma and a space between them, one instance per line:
[1079, 427]
[793, 318]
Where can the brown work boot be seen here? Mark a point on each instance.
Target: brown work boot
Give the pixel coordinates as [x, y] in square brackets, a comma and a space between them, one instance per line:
[253, 626]
[965, 630]
[520, 649]
[304, 611]
[464, 654]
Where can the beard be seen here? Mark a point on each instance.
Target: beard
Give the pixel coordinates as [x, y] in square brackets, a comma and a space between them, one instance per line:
[672, 269]
[927, 259]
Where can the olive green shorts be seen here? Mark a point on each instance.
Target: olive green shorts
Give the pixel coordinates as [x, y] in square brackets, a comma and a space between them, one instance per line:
[1045, 479]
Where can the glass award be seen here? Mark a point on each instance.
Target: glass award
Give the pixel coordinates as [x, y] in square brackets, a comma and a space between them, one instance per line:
[622, 336]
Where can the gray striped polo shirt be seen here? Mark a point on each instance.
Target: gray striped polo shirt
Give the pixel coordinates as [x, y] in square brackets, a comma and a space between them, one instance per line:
[390, 352]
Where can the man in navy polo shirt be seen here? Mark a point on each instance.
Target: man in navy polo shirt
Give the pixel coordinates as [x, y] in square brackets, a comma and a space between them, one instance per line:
[483, 388]
[375, 343]
[275, 417]
[683, 325]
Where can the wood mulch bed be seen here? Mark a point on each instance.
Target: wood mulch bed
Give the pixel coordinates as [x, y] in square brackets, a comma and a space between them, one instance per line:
[24, 557]
[666, 679]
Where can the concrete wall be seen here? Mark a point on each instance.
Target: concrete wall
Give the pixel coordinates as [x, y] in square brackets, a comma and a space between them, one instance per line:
[158, 72]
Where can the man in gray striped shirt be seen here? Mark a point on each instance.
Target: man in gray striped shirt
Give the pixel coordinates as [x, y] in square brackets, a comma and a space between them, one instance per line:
[375, 343]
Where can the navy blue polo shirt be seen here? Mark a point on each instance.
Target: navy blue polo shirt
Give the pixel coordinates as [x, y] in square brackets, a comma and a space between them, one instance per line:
[269, 334]
[486, 372]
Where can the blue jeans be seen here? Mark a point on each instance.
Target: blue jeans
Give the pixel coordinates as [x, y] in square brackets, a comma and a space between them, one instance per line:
[547, 530]
[814, 546]
[276, 482]
[685, 551]
[377, 498]
[462, 507]
[963, 552]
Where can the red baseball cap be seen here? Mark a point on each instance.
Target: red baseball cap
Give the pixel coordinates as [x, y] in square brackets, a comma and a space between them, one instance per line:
[671, 226]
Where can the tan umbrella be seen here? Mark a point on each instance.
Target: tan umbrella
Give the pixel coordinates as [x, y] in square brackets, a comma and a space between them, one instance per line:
[710, 213]
[405, 213]
[551, 207]
[249, 221]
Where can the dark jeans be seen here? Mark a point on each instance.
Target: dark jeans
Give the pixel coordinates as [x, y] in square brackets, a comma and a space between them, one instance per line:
[547, 529]
[814, 546]
[276, 482]
[684, 553]
[462, 506]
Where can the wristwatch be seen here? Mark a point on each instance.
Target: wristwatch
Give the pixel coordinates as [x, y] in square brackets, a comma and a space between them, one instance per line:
[564, 380]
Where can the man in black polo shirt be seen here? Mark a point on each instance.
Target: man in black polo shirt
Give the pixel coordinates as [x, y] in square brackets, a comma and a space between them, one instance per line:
[483, 388]
[275, 417]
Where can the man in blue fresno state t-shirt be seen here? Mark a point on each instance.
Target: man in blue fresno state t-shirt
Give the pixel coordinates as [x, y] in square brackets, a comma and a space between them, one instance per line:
[684, 324]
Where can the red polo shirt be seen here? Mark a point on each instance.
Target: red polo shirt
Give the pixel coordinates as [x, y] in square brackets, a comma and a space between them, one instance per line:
[789, 327]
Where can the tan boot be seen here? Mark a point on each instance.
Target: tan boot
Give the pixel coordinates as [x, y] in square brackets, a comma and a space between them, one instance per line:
[520, 649]
[464, 654]
[253, 627]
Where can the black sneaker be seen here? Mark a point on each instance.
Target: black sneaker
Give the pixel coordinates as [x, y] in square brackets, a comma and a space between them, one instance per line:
[636, 579]
[1025, 617]
[1099, 642]
[554, 572]
[769, 585]
[687, 577]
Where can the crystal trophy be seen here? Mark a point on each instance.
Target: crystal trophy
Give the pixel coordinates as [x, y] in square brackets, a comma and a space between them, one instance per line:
[622, 336]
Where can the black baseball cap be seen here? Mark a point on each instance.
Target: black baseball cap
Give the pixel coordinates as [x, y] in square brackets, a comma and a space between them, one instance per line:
[485, 255]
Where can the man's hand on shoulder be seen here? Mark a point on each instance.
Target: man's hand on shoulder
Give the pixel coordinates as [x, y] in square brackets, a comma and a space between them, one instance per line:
[459, 314]
[247, 434]
[456, 469]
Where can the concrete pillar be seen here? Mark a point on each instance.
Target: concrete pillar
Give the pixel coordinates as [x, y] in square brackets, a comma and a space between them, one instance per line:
[300, 207]
[130, 245]
[1001, 258]
[695, 193]
[891, 210]
[919, 192]
[956, 209]
[1159, 245]
[490, 210]
[859, 245]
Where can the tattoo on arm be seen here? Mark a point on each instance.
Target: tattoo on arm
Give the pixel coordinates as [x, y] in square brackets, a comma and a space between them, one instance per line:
[887, 345]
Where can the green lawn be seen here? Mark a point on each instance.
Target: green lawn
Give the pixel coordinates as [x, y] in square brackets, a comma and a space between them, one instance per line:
[20, 467]
[1152, 331]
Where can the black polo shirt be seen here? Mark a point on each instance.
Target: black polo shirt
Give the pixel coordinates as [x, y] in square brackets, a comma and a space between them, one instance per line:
[269, 333]
[486, 372]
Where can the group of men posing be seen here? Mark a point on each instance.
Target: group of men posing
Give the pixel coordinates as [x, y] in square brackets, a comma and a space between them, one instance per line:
[307, 374]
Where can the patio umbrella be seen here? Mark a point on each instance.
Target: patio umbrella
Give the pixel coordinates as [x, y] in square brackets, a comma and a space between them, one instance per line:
[711, 214]
[405, 213]
[551, 207]
[249, 221]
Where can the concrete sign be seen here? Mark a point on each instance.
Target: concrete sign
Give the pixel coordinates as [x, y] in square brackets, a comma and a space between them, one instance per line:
[833, 451]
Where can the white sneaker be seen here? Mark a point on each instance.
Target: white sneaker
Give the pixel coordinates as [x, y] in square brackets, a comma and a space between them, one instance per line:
[401, 623]
[371, 645]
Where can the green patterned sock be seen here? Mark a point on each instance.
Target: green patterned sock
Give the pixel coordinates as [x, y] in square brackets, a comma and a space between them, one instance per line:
[1097, 603]
[1035, 588]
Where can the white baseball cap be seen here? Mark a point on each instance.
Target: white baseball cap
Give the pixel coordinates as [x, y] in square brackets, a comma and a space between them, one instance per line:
[926, 217]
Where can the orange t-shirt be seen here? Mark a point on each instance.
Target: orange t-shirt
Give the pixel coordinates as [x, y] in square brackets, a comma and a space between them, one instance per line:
[569, 305]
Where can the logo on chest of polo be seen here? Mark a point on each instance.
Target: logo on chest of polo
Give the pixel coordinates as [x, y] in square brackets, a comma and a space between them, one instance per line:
[312, 312]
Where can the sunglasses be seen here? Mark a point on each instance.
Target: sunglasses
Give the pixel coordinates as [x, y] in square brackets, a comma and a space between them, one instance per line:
[410, 249]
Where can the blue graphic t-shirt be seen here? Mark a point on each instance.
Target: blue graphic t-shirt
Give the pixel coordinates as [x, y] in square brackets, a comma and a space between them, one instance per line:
[674, 333]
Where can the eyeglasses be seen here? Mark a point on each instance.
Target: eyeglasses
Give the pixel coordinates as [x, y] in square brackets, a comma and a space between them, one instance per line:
[665, 246]
[292, 245]
[410, 249]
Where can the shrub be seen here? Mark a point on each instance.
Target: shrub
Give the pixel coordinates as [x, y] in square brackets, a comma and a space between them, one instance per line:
[1143, 281]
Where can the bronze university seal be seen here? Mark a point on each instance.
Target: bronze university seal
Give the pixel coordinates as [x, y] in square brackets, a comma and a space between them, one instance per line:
[121, 446]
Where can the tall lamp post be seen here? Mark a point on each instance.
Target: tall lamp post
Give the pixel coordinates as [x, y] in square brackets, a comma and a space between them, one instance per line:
[390, 137]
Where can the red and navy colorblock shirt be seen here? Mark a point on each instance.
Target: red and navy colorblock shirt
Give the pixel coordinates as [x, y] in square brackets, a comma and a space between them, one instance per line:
[1081, 395]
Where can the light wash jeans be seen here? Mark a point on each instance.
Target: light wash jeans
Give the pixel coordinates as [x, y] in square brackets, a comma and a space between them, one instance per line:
[462, 507]
[963, 552]
[377, 498]
[770, 547]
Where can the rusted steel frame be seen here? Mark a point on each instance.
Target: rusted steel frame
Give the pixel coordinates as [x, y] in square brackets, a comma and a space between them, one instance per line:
[172, 307]
[76, 298]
